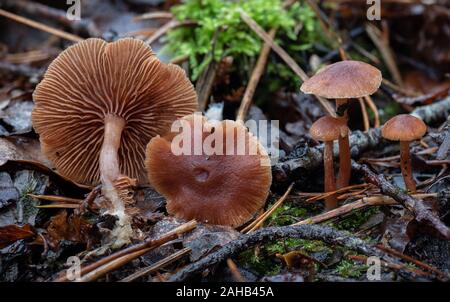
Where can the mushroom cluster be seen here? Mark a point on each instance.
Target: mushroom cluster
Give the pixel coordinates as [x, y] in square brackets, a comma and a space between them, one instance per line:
[343, 81]
[223, 185]
[98, 106]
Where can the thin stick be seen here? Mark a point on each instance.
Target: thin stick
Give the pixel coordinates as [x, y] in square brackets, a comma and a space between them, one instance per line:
[361, 203]
[260, 220]
[40, 26]
[112, 265]
[169, 236]
[156, 266]
[364, 114]
[166, 28]
[235, 271]
[284, 55]
[414, 261]
[153, 15]
[319, 196]
[382, 43]
[374, 109]
[59, 206]
[61, 199]
[254, 79]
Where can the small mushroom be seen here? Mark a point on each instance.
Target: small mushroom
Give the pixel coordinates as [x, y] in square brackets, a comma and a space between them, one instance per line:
[405, 128]
[224, 186]
[328, 129]
[100, 103]
[342, 81]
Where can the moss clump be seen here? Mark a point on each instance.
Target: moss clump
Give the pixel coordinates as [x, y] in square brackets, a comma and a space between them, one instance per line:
[350, 269]
[286, 214]
[354, 221]
[220, 32]
[261, 264]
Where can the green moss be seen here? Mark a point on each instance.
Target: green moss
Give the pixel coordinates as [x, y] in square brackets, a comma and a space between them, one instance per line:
[261, 265]
[354, 221]
[220, 32]
[286, 214]
[350, 269]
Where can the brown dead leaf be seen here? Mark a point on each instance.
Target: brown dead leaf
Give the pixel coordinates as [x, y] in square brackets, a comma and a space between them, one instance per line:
[11, 233]
[71, 228]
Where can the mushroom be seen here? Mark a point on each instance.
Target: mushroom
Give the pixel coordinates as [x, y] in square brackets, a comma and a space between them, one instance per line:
[342, 81]
[214, 180]
[328, 129]
[100, 103]
[405, 128]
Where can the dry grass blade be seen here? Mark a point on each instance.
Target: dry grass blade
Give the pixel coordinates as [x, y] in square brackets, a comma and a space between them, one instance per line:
[260, 220]
[374, 109]
[157, 266]
[102, 266]
[284, 55]
[254, 79]
[59, 206]
[381, 41]
[235, 271]
[60, 199]
[324, 195]
[40, 26]
[153, 15]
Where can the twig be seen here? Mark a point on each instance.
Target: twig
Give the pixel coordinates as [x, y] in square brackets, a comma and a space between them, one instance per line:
[254, 79]
[154, 15]
[364, 114]
[359, 204]
[284, 55]
[438, 111]
[41, 26]
[235, 271]
[310, 232]
[20, 70]
[166, 28]
[381, 41]
[60, 199]
[416, 207]
[157, 266]
[324, 195]
[135, 249]
[84, 26]
[400, 267]
[374, 109]
[445, 277]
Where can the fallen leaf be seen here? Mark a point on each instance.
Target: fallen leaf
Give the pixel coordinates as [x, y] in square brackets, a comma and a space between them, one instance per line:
[11, 233]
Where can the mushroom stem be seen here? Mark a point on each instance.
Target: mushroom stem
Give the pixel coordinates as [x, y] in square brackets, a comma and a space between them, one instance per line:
[405, 164]
[109, 160]
[344, 173]
[330, 185]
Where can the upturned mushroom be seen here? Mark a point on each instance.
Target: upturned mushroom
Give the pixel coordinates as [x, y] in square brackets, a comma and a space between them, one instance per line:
[220, 177]
[100, 103]
[328, 129]
[405, 128]
[342, 81]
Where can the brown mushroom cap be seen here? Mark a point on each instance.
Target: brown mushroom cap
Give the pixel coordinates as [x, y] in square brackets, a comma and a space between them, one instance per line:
[343, 80]
[218, 189]
[404, 127]
[94, 78]
[328, 128]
